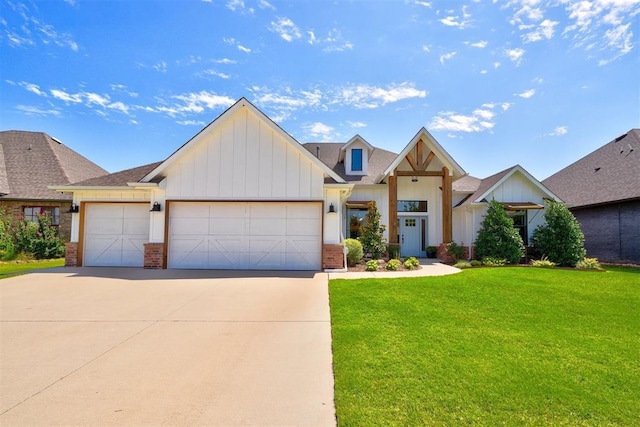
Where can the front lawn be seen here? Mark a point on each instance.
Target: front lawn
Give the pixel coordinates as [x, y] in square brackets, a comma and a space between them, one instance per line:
[490, 346]
[13, 268]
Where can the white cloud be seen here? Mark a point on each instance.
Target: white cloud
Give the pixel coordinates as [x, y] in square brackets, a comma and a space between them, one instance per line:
[264, 4]
[319, 129]
[287, 30]
[238, 5]
[425, 48]
[214, 73]
[197, 102]
[94, 98]
[559, 131]
[480, 120]
[161, 66]
[33, 88]
[191, 122]
[225, 61]
[481, 44]
[457, 21]
[423, 3]
[496, 65]
[527, 93]
[339, 48]
[244, 49]
[29, 110]
[365, 96]
[32, 30]
[544, 31]
[505, 106]
[447, 56]
[66, 97]
[515, 55]
[332, 42]
[357, 125]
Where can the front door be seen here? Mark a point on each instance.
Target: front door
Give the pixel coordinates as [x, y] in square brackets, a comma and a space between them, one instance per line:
[412, 236]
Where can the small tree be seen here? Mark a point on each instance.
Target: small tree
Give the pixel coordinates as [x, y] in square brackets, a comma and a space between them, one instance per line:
[38, 239]
[372, 238]
[7, 248]
[561, 239]
[497, 237]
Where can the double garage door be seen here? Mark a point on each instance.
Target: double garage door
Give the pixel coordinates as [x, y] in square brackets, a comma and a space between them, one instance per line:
[245, 235]
[209, 235]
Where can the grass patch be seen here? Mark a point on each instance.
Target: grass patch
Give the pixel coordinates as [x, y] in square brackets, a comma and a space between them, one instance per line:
[13, 268]
[488, 346]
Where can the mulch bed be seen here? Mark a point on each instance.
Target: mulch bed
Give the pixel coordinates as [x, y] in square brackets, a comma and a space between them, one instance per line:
[382, 264]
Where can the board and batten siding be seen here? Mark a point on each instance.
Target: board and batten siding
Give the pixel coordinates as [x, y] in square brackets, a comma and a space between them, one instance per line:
[244, 159]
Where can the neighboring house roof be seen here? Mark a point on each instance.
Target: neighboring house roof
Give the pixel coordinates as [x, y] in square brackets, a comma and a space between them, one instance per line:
[241, 103]
[119, 179]
[31, 161]
[609, 174]
[489, 184]
[329, 154]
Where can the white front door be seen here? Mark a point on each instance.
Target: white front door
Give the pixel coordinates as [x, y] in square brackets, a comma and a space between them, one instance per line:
[412, 235]
[115, 234]
[245, 235]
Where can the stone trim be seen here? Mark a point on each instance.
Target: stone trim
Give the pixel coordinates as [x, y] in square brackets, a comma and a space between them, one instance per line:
[154, 256]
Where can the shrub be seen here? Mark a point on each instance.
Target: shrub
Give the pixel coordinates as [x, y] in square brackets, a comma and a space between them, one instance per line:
[393, 249]
[372, 265]
[462, 264]
[497, 237]
[475, 263]
[354, 251]
[39, 238]
[456, 251]
[7, 248]
[411, 263]
[432, 251]
[589, 263]
[393, 264]
[560, 239]
[372, 237]
[544, 263]
[494, 262]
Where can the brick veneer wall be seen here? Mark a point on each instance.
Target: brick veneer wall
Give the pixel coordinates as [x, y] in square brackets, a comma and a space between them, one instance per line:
[70, 254]
[332, 257]
[442, 253]
[14, 208]
[154, 256]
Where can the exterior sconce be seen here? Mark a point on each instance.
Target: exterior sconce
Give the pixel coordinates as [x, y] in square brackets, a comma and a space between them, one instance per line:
[414, 179]
[332, 209]
[155, 207]
[74, 208]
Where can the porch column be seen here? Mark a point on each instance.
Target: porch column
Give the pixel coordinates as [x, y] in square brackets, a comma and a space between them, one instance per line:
[393, 208]
[447, 206]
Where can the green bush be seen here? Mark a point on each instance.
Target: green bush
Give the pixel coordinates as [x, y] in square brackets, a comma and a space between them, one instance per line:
[354, 251]
[7, 247]
[372, 265]
[393, 264]
[38, 239]
[475, 263]
[497, 237]
[589, 263]
[544, 263]
[393, 249]
[494, 262]
[372, 237]
[456, 251]
[462, 264]
[560, 239]
[411, 263]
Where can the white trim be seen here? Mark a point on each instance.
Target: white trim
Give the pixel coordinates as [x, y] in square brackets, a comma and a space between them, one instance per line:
[527, 175]
[343, 149]
[72, 188]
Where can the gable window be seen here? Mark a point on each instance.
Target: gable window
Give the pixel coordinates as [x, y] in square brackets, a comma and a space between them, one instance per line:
[412, 206]
[356, 159]
[31, 213]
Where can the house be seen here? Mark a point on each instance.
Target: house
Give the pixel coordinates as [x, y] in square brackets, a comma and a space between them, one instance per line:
[602, 190]
[29, 162]
[244, 194]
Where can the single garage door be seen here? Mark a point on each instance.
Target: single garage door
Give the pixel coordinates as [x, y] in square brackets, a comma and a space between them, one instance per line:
[245, 235]
[115, 234]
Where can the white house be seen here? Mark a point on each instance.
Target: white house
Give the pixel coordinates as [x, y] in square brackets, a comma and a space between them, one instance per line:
[244, 194]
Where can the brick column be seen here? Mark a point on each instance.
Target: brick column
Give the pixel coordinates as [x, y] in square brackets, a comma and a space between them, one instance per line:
[71, 254]
[154, 256]
[332, 257]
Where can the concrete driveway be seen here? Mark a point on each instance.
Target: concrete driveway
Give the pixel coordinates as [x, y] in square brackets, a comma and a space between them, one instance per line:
[109, 346]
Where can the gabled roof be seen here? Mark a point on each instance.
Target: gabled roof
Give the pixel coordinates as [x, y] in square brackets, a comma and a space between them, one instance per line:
[329, 154]
[454, 168]
[343, 149]
[241, 103]
[466, 184]
[489, 184]
[607, 175]
[31, 161]
[116, 179]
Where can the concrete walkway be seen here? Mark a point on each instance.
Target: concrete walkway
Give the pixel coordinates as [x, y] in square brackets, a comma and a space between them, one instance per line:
[428, 267]
[115, 346]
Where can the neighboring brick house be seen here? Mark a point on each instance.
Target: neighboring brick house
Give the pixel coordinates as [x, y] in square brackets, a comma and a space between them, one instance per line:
[603, 191]
[29, 163]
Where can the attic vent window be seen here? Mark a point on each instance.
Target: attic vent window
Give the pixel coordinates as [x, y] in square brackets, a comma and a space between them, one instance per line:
[619, 138]
[356, 159]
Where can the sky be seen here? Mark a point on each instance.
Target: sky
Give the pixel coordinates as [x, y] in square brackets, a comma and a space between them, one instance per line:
[497, 83]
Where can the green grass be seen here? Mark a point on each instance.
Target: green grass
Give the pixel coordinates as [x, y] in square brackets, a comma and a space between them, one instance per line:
[491, 346]
[9, 269]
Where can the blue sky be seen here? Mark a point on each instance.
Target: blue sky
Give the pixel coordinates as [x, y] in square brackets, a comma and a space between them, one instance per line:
[498, 83]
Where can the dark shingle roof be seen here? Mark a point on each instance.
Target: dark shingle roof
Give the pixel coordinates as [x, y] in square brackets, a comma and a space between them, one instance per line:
[484, 185]
[119, 179]
[330, 151]
[467, 184]
[31, 161]
[609, 174]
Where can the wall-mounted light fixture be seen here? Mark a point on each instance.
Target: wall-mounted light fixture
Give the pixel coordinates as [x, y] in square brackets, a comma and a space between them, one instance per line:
[332, 209]
[155, 207]
[414, 179]
[74, 208]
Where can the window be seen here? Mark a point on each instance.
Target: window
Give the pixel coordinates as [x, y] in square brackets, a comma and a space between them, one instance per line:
[520, 223]
[410, 222]
[356, 159]
[412, 206]
[356, 221]
[31, 213]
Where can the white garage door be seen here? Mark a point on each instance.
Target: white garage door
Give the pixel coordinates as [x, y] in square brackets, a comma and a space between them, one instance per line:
[115, 234]
[245, 235]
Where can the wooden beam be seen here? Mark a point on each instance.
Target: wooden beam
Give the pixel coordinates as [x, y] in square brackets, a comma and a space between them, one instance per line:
[393, 209]
[419, 153]
[419, 173]
[447, 206]
[430, 157]
[412, 162]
